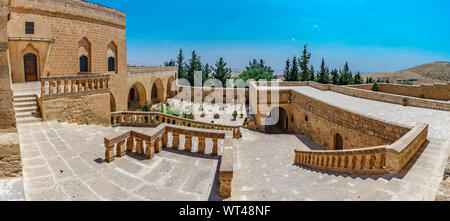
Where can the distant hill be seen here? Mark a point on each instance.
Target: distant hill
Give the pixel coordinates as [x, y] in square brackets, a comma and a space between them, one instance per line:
[431, 72]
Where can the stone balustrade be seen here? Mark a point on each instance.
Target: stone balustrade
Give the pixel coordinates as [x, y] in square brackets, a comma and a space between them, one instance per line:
[355, 161]
[373, 160]
[152, 119]
[66, 86]
[148, 144]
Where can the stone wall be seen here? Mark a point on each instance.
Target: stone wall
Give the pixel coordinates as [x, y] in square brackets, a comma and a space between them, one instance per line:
[89, 109]
[437, 91]
[321, 122]
[10, 164]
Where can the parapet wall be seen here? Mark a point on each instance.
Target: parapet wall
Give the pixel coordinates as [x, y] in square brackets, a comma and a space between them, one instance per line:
[437, 91]
[75, 8]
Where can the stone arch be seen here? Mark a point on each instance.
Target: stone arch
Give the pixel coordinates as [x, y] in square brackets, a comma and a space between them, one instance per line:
[136, 96]
[112, 57]
[171, 87]
[84, 53]
[277, 120]
[112, 103]
[31, 63]
[338, 142]
[157, 91]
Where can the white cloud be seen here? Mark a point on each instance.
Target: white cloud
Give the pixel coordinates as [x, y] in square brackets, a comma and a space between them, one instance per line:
[316, 26]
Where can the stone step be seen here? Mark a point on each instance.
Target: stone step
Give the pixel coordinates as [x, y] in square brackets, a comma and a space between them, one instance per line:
[27, 114]
[24, 96]
[28, 120]
[26, 104]
[24, 99]
[33, 108]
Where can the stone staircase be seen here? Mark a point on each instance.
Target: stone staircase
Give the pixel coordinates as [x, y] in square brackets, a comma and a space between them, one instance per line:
[27, 109]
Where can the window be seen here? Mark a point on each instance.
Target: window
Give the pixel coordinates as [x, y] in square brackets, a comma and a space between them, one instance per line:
[84, 64]
[306, 118]
[111, 64]
[29, 27]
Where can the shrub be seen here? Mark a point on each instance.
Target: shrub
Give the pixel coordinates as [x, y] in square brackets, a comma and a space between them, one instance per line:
[146, 106]
[212, 121]
[422, 96]
[162, 108]
[375, 87]
[245, 119]
[235, 113]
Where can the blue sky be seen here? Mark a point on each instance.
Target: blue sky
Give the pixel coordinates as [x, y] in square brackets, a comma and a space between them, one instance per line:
[373, 36]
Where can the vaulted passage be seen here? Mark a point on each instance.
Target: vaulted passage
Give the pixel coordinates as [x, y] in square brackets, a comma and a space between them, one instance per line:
[136, 97]
[277, 121]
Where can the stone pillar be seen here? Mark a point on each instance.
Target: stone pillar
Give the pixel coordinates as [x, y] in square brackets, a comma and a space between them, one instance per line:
[130, 143]
[215, 147]
[175, 141]
[164, 139]
[149, 150]
[139, 149]
[109, 153]
[201, 145]
[121, 150]
[225, 183]
[188, 143]
[157, 145]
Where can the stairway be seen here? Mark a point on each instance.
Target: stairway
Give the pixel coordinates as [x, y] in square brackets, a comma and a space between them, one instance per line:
[27, 109]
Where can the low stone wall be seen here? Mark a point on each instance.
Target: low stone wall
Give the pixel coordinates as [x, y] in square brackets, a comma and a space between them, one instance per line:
[89, 109]
[436, 91]
[402, 151]
[226, 94]
[10, 163]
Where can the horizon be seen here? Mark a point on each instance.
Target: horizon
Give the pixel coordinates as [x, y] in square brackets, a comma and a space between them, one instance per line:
[371, 37]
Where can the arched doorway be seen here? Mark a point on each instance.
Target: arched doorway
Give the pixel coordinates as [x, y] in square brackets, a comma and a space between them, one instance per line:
[277, 121]
[136, 97]
[84, 64]
[30, 65]
[338, 142]
[157, 94]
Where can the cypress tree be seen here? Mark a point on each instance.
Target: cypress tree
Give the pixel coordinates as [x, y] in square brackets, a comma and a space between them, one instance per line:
[294, 70]
[311, 74]
[303, 63]
[180, 64]
[287, 70]
[194, 65]
[323, 76]
[358, 78]
[335, 77]
[221, 72]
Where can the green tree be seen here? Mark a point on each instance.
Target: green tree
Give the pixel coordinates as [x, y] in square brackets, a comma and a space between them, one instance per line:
[170, 63]
[254, 64]
[221, 72]
[303, 63]
[193, 66]
[323, 76]
[335, 77]
[311, 74]
[206, 72]
[294, 70]
[358, 79]
[257, 74]
[287, 71]
[345, 75]
[180, 64]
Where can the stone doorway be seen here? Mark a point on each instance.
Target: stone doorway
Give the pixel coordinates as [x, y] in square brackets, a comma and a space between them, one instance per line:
[277, 121]
[30, 65]
[338, 142]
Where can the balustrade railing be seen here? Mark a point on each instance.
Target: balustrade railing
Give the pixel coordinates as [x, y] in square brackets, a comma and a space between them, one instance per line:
[152, 119]
[54, 87]
[356, 161]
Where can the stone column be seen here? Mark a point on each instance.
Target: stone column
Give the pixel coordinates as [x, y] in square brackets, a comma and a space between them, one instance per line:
[139, 149]
[130, 144]
[188, 143]
[157, 145]
[109, 153]
[121, 150]
[164, 139]
[201, 145]
[225, 183]
[175, 141]
[149, 150]
[66, 86]
[215, 147]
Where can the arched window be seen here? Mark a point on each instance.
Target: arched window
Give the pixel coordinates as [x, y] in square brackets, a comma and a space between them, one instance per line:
[84, 64]
[111, 64]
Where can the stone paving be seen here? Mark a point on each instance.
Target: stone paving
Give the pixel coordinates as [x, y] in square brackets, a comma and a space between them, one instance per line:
[65, 162]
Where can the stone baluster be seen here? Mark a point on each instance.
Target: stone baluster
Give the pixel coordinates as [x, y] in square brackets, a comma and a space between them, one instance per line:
[107, 83]
[379, 161]
[139, 148]
[73, 83]
[149, 149]
[80, 86]
[164, 139]
[57, 86]
[43, 88]
[201, 145]
[215, 148]
[121, 150]
[66, 86]
[85, 85]
[359, 164]
[188, 143]
[175, 141]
